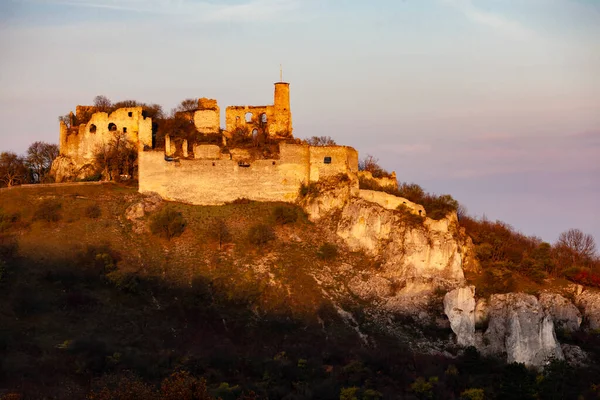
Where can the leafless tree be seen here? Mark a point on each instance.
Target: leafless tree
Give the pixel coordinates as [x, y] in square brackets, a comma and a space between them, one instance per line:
[219, 232]
[581, 244]
[66, 119]
[118, 157]
[320, 141]
[39, 159]
[102, 103]
[13, 170]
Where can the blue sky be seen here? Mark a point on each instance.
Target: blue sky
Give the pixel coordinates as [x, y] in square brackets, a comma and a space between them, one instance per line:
[496, 102]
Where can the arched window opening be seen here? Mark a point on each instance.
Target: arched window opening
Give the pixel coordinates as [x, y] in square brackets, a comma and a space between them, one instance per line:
[263, 118]
[249, 117]
[112, 127]
[254, 134]
[92, 128]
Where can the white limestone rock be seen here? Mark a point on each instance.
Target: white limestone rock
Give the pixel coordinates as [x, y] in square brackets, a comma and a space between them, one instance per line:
[425, 250]
[459, 306]
[564, 313]
[589, 302]
[520, 328]
[481, 312]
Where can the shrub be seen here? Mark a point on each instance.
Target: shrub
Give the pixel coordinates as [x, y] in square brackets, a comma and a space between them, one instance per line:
[93, 211]
[327, 251]
[96, 177]
[285, 215]
[219, 232]
[3, 270]
[8, 247]
[7, 220]
[167, 223]
[309, 190]
[472, 394]
[48, 210]
[260, 234]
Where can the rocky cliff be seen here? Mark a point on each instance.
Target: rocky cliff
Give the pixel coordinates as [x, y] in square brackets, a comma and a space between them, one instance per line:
[421, 257]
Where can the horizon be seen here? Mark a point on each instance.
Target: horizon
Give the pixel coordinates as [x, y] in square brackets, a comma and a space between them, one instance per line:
[495, 103]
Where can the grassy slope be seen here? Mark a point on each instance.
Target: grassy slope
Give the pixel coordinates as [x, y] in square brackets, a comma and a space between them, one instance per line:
[187, 294]
[244, 315]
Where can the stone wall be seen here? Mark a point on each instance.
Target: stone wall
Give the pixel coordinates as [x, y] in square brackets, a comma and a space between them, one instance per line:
[207, 118]
[217, 181]
[275, 119]
[81, 143]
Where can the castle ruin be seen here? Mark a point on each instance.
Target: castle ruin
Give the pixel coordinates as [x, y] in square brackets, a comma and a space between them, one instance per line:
[273, 169]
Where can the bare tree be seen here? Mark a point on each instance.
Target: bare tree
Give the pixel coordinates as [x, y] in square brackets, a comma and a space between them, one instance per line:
[102, 103]
[39, 159]
[187, 105]
[13, 170]
[116, 158]
[219, 232]
[66, 119]
[320, 141]
[581, 244]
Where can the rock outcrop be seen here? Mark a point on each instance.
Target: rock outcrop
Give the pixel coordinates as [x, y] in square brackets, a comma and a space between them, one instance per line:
[459, 306]
[589, 302]
[411, 246]
[564, 313]
[519, 327]
[64, 169]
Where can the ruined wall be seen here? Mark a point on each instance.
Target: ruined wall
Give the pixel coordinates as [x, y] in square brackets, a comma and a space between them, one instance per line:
[328, 161]
[81, 143]
[207, 118]
[217, 181]
[276, 119]
[248, 117]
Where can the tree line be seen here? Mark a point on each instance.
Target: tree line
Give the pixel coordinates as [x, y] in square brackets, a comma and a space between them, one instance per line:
[33, 167]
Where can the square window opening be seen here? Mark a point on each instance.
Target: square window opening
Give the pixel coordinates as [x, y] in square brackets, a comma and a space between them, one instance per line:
[130, 114]
[327, 160]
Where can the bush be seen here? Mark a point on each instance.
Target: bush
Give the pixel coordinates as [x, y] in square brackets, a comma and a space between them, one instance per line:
[48, 210]
[260, 234]
[96, 177]
[93, 211]
[285, 215]
[8, 247]
[7, 220]
[309, 190]
[327, 251]
[167, 223]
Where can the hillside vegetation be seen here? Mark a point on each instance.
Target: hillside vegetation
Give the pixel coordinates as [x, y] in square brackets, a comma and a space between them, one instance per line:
[200, 302]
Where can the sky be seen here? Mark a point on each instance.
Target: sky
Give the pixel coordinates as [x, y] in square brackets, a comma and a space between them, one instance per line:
[496, 102]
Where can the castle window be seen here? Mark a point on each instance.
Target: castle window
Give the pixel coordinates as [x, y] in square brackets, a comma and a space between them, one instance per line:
[112, 127]
[124, 130]
[130, 114]
[263, 118]
[327, 160]
[273, 162]
[92, 128]
[248, 117]
[254, 134]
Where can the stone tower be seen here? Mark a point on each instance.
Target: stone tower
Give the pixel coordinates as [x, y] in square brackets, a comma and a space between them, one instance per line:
[283, 115]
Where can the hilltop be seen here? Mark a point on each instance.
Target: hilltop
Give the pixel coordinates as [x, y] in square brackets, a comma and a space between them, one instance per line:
[271, 298]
